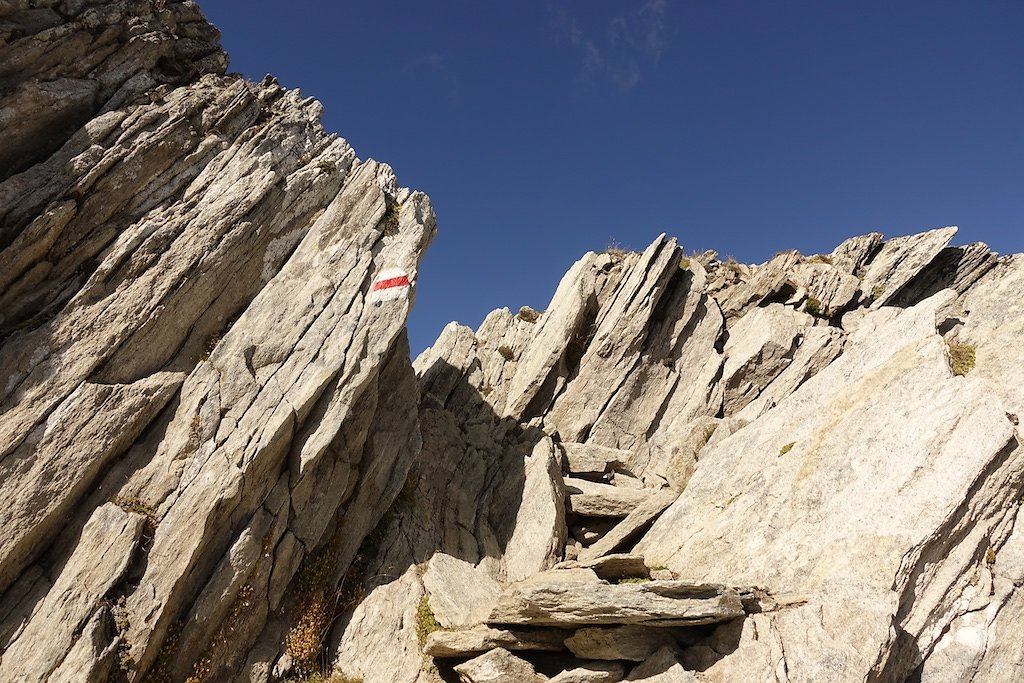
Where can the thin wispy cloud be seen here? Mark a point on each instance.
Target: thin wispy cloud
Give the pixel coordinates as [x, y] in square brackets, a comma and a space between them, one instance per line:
[435, 64]
[618, 48]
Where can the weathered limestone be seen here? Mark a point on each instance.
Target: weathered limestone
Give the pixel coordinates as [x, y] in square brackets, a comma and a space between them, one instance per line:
[617, 566]
[620, 330]
[207, 406]
[898, 260]
[99, 560]
[761, 346]
[483, 638]
[460, 594]
[62, 68]
[630, 643]
[498, 666]
[592, 672]
[602, 500]
[187, 329]
[994, 326]
[636, 520]
[538, 536]
[662, 667]
[585, 458]
[828, 526]
[853, 254]
[655, 603]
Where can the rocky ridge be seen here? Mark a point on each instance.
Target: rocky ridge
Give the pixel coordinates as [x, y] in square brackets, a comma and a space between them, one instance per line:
[716, 426]
[220, 465]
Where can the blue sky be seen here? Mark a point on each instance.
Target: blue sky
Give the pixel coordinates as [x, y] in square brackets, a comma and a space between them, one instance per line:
[542, 130]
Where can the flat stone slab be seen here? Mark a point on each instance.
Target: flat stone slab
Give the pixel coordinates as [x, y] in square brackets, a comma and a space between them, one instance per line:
[612, 567]
[602, 500]
[584, 458]
[655, 603]
[480, 639]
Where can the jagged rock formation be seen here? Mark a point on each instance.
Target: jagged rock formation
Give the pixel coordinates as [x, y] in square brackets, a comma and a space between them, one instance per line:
[793, 429]
[202, 395]
[219, 463]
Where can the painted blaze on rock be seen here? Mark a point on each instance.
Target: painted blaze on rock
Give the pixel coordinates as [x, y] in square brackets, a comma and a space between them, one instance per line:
[391, 284]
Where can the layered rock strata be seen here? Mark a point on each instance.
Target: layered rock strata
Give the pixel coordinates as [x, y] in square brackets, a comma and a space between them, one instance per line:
[204, 403]
[800, 429]
[219, 463]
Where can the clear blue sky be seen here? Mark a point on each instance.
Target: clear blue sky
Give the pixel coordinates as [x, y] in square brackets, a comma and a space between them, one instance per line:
[542, 130]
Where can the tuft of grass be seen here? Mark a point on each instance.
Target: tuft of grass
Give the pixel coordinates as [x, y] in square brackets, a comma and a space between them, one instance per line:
[507, 353]
[787, 448]
[391, 219]
[709, 432]
[876, 292]
[615, 249]
[962, 357]
[318, 677]
[528, 314]
[211, 343]
[990, 556]
[139, 507]
[821, 258]
[426, 623]
[813, 306]
[634, 579]
[119, 610]
[684, 263]
[202, 669]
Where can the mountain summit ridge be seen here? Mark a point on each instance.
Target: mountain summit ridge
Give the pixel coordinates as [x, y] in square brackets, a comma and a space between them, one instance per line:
[220, 464]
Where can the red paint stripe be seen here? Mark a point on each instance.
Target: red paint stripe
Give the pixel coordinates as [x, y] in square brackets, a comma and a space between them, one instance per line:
[402, 281]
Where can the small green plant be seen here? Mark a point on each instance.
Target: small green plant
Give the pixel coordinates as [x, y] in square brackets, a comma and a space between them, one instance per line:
[426, 623]
[787, 448]
[486, 390]
[813, 306]
[990, 556]
[684, 263]
[821, 258]
[876, 292]
[961, 357]
[506, 353]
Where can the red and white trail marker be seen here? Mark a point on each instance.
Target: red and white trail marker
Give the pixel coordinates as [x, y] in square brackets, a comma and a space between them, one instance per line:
[391, 283]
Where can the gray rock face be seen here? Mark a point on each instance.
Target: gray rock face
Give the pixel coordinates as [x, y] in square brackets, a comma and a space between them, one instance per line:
[218, 463]
[190, 328]
[62, 63]
[654, 603]
[483, 638]
[630, 643]
[498, 666]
